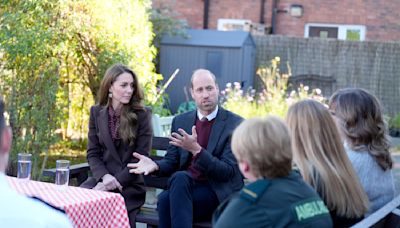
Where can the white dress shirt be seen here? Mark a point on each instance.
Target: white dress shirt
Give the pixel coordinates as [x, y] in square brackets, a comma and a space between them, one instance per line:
[20, 211]
[210, 116]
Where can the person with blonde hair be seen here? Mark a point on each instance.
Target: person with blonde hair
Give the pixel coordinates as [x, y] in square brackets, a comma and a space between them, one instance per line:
[119, 125]
[277, 196]
[360, 118]
[321, 159]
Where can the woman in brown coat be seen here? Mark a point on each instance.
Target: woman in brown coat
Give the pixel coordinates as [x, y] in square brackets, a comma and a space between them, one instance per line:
[119, 125]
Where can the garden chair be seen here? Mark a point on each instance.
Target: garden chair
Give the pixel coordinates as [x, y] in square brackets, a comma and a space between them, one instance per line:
[386, 216]
[161, 128]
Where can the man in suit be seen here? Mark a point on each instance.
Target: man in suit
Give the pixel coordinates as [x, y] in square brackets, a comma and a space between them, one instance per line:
[199, 158]
[17, 210]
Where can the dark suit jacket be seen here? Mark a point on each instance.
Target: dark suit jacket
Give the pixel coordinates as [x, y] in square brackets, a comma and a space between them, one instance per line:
[216, 161]
[104, 158]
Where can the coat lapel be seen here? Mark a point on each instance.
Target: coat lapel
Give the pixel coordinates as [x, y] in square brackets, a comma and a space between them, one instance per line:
[187, 126]
[105, 133]
[189, 123]
[216, 130]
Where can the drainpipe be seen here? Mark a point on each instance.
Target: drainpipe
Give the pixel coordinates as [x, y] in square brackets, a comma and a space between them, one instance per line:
[205, 15]
[273, 18]
[262, 12]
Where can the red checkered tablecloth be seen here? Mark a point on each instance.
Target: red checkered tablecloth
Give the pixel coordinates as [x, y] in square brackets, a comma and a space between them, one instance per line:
[84, 207]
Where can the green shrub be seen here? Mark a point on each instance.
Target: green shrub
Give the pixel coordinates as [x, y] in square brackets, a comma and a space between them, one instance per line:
[394, 123]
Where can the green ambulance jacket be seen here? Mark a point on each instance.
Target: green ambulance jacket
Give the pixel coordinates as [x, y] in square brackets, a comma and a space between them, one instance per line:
[279, 202]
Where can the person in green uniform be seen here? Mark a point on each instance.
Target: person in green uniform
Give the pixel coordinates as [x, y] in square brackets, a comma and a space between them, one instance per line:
[276, 195]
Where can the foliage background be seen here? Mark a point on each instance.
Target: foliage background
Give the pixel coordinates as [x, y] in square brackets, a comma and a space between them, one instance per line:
[53, 55]
[274, 97]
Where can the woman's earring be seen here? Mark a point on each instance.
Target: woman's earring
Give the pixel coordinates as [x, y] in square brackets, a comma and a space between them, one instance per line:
[110, 95]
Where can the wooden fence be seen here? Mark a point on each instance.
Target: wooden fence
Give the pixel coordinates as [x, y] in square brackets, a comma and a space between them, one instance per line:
[374, 66]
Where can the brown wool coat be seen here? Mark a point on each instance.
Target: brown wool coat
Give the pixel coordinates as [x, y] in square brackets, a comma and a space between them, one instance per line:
[104, 158]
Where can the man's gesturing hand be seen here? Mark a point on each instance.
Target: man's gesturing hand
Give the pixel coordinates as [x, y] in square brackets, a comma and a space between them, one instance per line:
[186, 141]
[144, 166]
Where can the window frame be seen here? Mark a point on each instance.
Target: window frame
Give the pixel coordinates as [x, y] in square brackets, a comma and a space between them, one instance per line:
[342, 29]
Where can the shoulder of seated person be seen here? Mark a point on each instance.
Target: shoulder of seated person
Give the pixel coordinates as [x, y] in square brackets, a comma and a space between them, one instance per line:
[53, 217]
[40, 210]
[185, 114]
[254, 191]
[46, 205]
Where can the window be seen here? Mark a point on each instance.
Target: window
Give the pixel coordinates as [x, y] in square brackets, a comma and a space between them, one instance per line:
[342, 32]
[353, 34]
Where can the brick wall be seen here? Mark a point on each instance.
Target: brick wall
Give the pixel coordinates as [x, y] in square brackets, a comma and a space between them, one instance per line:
[381, 21]
[193, 10]
[237, 9]
[380, 17]
[190, 10]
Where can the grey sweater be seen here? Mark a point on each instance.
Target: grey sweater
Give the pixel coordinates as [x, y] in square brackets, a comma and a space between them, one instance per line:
[378, 184]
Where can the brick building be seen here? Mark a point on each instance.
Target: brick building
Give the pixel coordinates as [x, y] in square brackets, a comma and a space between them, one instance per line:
[346, 19]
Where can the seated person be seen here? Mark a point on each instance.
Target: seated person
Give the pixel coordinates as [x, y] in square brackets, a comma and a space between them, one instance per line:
[277, 196]
[119, 125]
[17, 210]
[321, 159]
[360, 119]
[199, 160]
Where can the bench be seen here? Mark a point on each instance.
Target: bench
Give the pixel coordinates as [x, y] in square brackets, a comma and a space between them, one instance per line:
[147, 215]
[386, 216]
[81, 171]
[161, 128]
[77, 171]
[150, 217]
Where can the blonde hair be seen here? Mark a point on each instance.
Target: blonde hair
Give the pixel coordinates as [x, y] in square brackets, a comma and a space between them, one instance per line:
[361, 120]
[128, 120]
[265, 145]
[320, 156]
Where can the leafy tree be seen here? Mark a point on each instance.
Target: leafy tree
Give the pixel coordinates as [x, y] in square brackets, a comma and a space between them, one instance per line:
[29, 39]
[165, 22]
[54, 54]
[102, 33]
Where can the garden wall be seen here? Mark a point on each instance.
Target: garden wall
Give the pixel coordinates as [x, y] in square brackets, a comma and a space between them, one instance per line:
[374, 66]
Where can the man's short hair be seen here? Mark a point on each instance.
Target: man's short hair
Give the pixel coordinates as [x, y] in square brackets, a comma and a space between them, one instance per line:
[202, 71]
[264, 143]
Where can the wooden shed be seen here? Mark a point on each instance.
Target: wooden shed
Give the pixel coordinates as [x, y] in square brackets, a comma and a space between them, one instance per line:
[230, 55]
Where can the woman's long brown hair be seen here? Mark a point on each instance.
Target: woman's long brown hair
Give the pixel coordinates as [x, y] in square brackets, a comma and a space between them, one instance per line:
[361, 120]
[128, 120]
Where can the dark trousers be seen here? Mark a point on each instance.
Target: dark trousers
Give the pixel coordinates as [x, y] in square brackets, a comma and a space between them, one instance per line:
[185, 201]
[132, 217]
